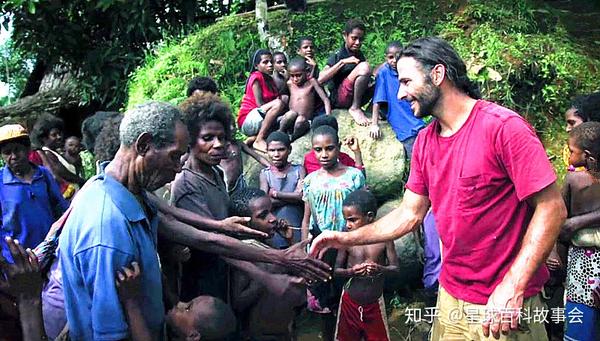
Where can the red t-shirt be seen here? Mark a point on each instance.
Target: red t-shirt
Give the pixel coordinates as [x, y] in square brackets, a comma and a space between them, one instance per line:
[478, 180]
[269, 93]
[311, 163]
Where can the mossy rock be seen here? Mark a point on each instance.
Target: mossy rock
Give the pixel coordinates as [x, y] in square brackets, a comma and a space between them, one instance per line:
[384, 158]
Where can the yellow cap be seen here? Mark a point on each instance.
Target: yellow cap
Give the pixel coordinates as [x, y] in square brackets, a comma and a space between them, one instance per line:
[11, 132]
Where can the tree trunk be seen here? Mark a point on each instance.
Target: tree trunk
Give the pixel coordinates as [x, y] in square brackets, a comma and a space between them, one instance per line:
[261, 20]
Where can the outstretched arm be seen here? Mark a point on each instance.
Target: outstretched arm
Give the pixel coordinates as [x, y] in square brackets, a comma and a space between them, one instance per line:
[395, 224]
[292, 258]
[259, 158]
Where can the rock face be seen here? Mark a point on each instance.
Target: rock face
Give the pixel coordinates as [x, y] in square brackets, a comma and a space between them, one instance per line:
[384, 158]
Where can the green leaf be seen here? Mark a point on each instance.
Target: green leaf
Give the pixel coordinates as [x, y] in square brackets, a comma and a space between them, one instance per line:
[31, 7]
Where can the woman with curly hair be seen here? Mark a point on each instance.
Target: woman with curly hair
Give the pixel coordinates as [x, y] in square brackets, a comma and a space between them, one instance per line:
[47, 135]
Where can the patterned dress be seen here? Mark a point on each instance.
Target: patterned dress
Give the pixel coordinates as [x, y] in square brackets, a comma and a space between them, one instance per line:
[326, 193]
[583, 273]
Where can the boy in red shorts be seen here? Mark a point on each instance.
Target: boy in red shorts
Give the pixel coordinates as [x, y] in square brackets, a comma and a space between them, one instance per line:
[361, 314]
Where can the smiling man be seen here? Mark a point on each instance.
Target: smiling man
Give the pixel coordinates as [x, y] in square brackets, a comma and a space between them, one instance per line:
[112, 224]
[492, 190]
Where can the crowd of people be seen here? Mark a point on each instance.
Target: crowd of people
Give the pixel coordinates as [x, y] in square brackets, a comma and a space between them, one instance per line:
[146, 227]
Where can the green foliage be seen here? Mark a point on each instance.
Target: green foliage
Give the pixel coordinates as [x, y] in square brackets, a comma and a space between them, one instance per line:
[101, 42]
[14, 70]
[518, 52]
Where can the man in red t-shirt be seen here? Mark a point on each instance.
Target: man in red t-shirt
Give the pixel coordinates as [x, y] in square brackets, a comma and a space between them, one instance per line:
[492, 190]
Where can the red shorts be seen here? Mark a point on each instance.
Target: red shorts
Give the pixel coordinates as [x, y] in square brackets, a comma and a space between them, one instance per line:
[345, 94]
[356, 322]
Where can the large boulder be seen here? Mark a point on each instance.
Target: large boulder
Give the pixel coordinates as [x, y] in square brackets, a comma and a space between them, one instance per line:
[384, 158]
[409, 251]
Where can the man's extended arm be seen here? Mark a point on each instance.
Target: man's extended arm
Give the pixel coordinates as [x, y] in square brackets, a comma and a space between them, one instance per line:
[549, 214]
[292, 258]
[395, 224]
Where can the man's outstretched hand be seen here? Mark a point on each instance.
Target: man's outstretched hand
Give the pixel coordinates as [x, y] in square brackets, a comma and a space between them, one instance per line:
[300, 263]
[21, 279]
[325, 241]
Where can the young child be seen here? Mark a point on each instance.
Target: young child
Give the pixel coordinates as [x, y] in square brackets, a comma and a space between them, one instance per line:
[203, 318]
[71, 153]
[311, 163]
[349, 73]
[303, 99]
[399, 114]
[264, 314]
[582, 195]
[280, 73]
[199, 84]
[261, 104]
[323, 193]
[585, 108]
[306, 50]
[283, 183]
[362, 310]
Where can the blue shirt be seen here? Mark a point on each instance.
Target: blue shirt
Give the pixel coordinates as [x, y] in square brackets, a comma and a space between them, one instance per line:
[400, 115]
[28, 209]
[107, 230]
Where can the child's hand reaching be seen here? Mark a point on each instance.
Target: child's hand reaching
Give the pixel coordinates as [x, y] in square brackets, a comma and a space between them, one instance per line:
[128, 282]
[352, 143]
[283, 228]
[21, 279]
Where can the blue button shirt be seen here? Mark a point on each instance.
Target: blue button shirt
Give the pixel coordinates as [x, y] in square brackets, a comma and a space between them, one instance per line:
[400, 115]
[28, 209]
[108, 229]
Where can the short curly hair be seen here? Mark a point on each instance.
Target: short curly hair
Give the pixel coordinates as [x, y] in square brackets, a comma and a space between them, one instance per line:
[107, 142]
[157, 118]
[240, 200]
[42, 127]
[587, 107]
[205, 107]
[202, 84]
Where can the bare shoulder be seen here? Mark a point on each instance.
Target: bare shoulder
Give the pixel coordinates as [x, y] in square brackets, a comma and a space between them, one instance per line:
[578, 180]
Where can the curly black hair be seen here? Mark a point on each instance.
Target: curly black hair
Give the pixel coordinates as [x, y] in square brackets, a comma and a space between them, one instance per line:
[363, 200]
[202, 84]
[107, 142]
[587, 107]
[240, 200]
[42, 127]
[205, 107]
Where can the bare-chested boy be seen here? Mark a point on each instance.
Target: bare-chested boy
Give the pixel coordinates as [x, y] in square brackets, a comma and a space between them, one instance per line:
[265, 314]
[303, 99]
[362, 311]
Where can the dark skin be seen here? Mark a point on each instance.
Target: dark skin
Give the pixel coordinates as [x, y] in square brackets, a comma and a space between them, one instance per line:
[280, 75]
[15, 155]
[24, 281]
[307, 50]
[277, 293]
[233, 164]
[71, 154]
[279, 153]
[54, 141]
[367, 265]
[302, 103]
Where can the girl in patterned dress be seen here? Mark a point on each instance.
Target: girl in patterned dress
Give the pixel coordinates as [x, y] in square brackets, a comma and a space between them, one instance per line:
[582, 195]
[323, 193]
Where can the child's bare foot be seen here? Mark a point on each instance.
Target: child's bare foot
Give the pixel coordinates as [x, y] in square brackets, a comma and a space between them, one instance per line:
[359, 116]
[260, 145]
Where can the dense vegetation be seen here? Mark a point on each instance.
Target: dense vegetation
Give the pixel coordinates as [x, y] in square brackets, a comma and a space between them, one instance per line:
[518, 51]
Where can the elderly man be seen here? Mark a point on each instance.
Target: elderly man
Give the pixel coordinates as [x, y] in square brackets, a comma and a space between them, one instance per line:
[492, 189]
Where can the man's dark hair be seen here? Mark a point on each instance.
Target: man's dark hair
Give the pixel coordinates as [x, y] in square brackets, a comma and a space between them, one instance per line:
[363, 200]
[587, 137]
[92, 125]
[393, 44]
[205, 107]
[587, 107]
[326, 131]
[431, 51]
[43, 125]
[202, 84]
[352, 24]
[303, 39]
[108, 141]
[279, 53]
[299, 63]
[279, 137]
[324, 120]
[240, 200]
